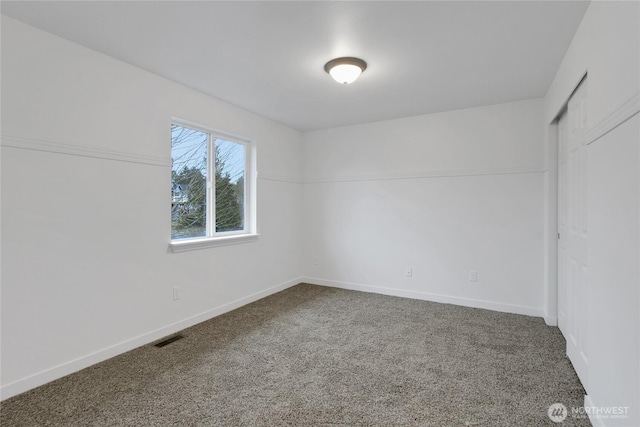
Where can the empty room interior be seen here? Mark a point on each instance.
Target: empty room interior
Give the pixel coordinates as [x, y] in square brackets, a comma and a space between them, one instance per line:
[320, 213]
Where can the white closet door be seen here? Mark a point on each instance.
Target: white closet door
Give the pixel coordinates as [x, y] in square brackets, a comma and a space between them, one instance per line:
[572, 226]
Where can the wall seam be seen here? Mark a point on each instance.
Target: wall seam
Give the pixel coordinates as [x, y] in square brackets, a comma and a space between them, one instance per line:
[76, 150]
[620, 115]
[427, 174]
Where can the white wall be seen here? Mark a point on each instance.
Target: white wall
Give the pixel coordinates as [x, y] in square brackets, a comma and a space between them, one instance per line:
[607, 47]
[614, 272]
[442, 193]
[86, 268]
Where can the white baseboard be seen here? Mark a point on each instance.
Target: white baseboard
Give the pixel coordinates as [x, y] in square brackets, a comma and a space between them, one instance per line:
[59, 371]
[466, 302]
[551, 321]
[595, 421]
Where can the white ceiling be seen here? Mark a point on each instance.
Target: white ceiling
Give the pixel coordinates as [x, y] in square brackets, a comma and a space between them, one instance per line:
[268, 57]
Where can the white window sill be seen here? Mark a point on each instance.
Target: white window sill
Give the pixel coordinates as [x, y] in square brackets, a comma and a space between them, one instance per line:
[210, 242]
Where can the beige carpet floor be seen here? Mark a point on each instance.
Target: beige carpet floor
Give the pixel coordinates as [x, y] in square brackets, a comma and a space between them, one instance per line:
[316, 356]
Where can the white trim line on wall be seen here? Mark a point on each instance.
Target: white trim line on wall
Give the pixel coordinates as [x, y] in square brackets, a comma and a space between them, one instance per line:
[76, 150]
[615, 119]
[425, 174]
[48, 375]
[280, 178]
[445, 299]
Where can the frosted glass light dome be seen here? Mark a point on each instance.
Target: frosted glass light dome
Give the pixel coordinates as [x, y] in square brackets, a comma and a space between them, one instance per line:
[345, 70]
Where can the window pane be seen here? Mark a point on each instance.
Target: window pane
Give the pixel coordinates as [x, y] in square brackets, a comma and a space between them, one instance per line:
[229, 185]
[188, 183]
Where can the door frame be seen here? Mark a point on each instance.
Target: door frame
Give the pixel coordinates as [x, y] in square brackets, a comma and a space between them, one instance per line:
[550, 294]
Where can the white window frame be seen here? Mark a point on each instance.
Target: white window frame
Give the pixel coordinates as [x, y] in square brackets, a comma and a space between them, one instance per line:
[215, 238]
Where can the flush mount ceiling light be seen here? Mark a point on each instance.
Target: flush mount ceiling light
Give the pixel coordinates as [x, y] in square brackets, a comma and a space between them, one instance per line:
[345, 70]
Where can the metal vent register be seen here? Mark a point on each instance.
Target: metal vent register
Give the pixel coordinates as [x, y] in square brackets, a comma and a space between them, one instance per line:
[169, 340]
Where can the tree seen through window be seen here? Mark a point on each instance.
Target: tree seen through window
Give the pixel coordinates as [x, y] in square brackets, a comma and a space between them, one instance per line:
[190, 208]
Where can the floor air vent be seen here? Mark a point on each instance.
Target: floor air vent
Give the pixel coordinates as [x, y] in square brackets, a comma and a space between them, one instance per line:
[169, 340]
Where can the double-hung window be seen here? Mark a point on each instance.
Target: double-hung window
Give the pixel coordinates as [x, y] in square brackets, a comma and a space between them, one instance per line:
[211, 188]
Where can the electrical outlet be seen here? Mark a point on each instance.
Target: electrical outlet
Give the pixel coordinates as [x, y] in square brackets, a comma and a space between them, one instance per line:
[408, 272]
[473, 276]
[176, 294]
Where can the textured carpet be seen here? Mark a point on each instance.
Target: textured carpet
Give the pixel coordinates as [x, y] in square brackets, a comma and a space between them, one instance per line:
[312, 355]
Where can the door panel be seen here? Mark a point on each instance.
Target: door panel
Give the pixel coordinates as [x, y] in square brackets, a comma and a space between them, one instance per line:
[572, 226]
[563, 257]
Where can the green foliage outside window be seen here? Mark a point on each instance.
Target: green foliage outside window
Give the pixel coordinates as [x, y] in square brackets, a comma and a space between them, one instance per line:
[189, 184]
